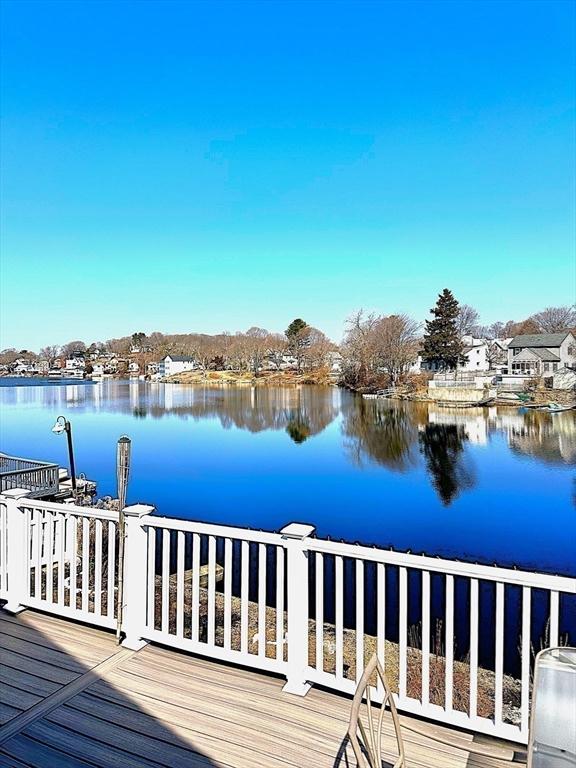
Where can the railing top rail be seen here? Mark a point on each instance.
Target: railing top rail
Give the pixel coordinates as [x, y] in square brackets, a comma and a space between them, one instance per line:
[65, 509]
[214, 529]
[29, 463]
[454, 567]
[26, 471]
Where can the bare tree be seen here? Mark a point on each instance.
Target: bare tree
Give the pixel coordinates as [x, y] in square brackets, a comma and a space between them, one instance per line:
[50, 353]
[376, 343]
[317, 348]
[257, 344]
[554, 319]
[73, 346]
[467, 319]
[396, 344]
[513, 328]
[277, 349]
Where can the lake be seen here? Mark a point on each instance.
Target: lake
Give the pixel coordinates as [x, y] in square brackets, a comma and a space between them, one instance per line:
[488, 485]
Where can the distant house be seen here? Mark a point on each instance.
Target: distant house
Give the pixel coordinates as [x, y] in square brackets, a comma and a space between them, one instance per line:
[172, 364]
[152, 368]
[537, 354]
[133, 368]
[476, 353]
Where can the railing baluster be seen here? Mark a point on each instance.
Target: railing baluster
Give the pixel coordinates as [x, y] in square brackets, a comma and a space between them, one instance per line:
[38, 571]
[228, 552]
[339, 616]
[280, 603]
[211, 631]
[449, 670]
[381, 620]
[402, 631]
[98, 568]
[180, 584]
[473, 647]
[359, 618]
[244, 597]
[165, 580]
[85, 561]
[262, 563]
[425, 638]
[499, 653]
[50, 559]
[151, 601]
[111, 569]
[195, 587]
[61, 558]
[525, 658]
[554, 614]
[319, 617]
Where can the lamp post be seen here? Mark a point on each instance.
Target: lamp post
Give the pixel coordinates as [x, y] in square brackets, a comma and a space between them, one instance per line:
[63, 425]
[122, 472]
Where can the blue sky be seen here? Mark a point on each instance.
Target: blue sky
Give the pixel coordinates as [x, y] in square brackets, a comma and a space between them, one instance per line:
[183, 166]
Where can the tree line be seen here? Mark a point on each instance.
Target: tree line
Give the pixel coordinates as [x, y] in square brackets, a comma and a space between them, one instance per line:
[373, 343]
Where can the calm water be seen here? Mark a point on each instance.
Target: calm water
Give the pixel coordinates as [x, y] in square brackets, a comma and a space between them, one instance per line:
[491, 485]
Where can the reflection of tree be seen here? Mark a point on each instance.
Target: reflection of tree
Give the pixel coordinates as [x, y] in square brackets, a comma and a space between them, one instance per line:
[298, 430]
[301, 412]
[386, 434]
[443, 449]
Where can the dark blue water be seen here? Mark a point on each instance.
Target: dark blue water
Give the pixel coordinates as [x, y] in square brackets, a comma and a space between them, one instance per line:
[489, 486]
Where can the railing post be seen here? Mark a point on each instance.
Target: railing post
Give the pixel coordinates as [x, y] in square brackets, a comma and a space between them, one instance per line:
[135, 577]
[297, 604]
[16, 551]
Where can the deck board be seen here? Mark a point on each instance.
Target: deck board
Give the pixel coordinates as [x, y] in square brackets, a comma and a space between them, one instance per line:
[160, 708]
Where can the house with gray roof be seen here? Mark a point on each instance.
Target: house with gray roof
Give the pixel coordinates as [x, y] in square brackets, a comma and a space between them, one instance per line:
[540, 354]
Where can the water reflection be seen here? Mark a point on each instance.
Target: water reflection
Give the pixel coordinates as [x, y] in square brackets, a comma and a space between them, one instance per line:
[387, 435]
[449, 469]
[393, 434]
[397, 436]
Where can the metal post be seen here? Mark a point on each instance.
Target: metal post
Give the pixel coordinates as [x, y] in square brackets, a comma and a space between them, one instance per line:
[71, 455]
[122, 472]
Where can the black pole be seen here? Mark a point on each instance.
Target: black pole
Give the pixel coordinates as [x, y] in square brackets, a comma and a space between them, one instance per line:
[71, 455]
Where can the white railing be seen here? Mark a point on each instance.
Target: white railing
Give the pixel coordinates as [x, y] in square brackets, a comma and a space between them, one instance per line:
[35, 476]
[312, 610]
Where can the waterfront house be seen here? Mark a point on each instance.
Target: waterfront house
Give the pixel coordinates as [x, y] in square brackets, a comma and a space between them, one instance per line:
[171, 364]
[152, 368]
[133, 368]
[476, 353]
[538, 354]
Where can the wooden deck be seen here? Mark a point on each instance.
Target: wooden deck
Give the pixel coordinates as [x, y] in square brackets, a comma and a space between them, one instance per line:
[70, 698]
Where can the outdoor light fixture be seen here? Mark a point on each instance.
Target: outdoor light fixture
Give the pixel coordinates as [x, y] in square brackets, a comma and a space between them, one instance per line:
[63, 425]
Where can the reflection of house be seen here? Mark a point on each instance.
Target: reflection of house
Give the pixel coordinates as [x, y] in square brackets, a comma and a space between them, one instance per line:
[541, 353]
[172, 364]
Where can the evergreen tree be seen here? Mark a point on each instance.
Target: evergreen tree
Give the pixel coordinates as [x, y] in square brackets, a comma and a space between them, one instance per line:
[442, 344]
[295, 327]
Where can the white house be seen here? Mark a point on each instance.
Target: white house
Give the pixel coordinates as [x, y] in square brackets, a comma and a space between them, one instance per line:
[172, 364]
[477, 354]
[133, 368]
